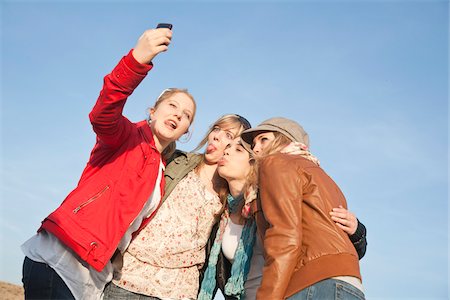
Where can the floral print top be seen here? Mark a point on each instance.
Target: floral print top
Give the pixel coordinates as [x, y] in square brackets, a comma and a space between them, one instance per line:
[164, 259]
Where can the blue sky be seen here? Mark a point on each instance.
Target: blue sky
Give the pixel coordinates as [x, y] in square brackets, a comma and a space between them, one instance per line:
[368, 80]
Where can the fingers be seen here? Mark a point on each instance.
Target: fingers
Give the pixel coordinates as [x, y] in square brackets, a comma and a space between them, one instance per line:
[163, 41]
[340, 220]
[344, 219]
[345, 228]
[340, 214]
[151, 43]
[163, 36]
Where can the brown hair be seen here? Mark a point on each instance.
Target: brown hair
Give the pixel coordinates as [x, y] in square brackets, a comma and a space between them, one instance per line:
[251, 182]
[166, 94]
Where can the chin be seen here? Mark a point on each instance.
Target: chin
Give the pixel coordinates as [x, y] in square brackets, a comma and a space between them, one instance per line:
[211, 158]
[172, 136]
[221, 173]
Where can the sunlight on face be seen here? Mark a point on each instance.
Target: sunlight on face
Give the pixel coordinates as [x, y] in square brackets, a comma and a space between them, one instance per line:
[261, 141]
[235, 163]
[172, 117]
[218, 139]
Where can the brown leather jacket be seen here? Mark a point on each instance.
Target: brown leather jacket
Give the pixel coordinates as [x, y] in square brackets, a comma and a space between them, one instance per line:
[302, 244]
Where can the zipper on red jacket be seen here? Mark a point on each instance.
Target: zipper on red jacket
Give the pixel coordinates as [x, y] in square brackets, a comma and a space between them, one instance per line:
[90, 200]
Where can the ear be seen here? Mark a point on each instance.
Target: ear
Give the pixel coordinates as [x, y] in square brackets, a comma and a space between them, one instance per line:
[151, 112]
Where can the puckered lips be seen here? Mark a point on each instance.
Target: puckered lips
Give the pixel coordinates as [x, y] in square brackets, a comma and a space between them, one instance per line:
[222, 161]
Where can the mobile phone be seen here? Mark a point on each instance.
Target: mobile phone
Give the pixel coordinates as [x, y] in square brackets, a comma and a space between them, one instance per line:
[164, 25]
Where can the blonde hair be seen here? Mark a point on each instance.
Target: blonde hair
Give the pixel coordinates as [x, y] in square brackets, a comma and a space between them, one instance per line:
[166, 94]
[226, 121]
[279, 142]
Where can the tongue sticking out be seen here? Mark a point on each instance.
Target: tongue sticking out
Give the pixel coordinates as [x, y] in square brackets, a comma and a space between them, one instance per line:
[171, 125]
[210, 148]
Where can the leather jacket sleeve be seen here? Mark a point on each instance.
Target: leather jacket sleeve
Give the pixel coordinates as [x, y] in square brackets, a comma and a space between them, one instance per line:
[359, 240]
[283, 239]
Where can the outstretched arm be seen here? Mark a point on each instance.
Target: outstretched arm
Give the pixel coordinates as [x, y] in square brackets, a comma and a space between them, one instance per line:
[111, 127]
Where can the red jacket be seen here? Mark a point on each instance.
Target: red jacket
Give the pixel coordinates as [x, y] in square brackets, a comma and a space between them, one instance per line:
[118, 179]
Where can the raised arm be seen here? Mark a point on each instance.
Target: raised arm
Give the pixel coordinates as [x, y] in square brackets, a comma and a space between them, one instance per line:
[111, 127]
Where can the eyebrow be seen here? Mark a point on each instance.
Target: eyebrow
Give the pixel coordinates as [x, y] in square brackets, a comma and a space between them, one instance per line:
[227, 129]
[230, 130]
[261, 135]
[184, 110]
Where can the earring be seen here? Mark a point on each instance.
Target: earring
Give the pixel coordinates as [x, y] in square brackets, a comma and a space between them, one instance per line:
[185, 137]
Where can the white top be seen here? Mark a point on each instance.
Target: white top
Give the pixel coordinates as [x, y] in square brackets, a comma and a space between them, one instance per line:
[84, 281]
[230, 239]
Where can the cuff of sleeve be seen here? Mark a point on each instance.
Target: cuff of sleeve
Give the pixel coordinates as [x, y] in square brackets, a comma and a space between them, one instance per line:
[136, 66]
[359, 233]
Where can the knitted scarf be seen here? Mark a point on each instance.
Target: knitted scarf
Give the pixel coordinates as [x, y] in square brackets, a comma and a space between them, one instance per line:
[242, 257]
[296, 148]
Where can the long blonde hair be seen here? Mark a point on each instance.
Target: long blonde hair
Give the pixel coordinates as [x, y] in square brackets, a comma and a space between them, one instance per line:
[226, 121]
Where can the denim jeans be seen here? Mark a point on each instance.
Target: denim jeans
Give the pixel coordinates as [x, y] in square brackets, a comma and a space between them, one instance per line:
[40, 281]
[329, 289]
[112, 291]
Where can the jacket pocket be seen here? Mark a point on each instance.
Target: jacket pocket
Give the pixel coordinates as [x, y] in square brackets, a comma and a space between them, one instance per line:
[91, 199]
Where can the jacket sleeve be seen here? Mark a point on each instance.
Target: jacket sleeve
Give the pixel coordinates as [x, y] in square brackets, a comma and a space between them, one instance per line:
[111, 127]
[281, 199]
[359, 240]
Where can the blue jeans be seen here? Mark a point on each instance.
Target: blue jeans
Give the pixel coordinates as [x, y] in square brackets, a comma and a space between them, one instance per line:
[329, 289]
[40, 281]
[114, 292]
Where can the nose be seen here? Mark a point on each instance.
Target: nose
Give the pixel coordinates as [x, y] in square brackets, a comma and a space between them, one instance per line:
[218, 135]
[226, 151]
[257, 148]
[178, 114]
